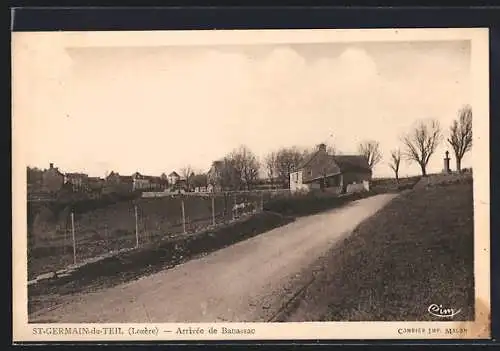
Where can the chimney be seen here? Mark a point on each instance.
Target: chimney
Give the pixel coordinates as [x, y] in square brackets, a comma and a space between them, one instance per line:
[322, 147]
[51, 165]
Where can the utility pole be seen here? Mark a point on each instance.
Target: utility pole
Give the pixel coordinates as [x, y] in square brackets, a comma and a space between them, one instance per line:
[213, 210]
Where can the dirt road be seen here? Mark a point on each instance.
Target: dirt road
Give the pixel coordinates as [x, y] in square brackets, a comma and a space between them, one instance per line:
[246, 282]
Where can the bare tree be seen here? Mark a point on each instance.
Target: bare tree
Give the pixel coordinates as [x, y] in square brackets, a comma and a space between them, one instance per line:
[187, 174]
[395, 162]
[422, 142]
[370, 149]
[271, 166]
[287, 161]
[246, 165]
[461, 134]
[224, 174]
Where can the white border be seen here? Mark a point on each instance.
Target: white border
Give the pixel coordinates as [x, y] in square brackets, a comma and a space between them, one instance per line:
[272, 331]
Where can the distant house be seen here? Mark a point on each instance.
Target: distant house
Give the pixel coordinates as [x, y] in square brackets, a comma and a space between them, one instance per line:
[173, 178]
[157, 183]
[77, 181]
[323, 171]
[95, 184]
[148, 183]
[140, 182]
[180, 184]
[52, 179]
[117, 183]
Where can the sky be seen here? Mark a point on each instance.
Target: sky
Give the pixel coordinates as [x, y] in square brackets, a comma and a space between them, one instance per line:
[158, 109]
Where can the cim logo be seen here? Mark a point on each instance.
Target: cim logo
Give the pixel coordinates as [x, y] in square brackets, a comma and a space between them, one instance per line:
[442, 312]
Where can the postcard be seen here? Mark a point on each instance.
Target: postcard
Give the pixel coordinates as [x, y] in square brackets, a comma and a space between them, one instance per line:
[251, 185]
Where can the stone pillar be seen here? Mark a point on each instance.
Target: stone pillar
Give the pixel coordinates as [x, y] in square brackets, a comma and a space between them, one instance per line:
[446, 168]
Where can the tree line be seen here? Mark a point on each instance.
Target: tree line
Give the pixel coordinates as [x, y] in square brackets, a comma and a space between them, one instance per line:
[240, 169]
[421, 142]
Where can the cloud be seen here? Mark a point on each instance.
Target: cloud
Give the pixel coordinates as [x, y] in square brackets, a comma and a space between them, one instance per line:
[199, 105]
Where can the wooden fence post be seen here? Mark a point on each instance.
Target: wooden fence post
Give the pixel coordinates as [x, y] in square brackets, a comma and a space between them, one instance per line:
[136, 228]
[213, 210]
[106, 235]
[73, 234]
[233, 209]
[183, 216]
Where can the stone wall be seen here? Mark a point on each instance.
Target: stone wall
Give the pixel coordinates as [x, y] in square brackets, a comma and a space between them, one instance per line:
[358, 187]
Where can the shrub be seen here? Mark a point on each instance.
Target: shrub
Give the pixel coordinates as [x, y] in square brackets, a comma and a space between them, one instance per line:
[310, 203]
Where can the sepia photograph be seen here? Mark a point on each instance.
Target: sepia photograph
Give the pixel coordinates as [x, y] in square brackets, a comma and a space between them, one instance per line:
[233, 184]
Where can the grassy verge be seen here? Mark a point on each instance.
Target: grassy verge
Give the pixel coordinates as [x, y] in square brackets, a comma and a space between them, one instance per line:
[415, 252]
[311, 203]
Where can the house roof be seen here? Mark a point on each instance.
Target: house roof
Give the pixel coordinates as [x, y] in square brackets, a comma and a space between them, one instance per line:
[76, 174]
[55, 170]
[120, 177]
[153, 178]
[351, 163]
[174, 174]
[308, 159]
[346, 163]
[95, 179]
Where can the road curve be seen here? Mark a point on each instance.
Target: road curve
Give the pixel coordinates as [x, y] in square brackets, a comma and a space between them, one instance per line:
[246, 282]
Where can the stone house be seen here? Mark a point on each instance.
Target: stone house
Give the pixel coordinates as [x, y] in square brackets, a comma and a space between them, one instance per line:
[117, 183]
[52, 179]
[173, 178]
[95, 184]
[77, 181]
[330, 172]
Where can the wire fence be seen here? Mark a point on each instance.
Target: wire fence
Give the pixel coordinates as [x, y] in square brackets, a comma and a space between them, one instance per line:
[75, 237]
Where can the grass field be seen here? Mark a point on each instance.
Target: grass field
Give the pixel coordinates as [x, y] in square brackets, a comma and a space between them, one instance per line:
[415, 252]
[150, 258]
[112, 227]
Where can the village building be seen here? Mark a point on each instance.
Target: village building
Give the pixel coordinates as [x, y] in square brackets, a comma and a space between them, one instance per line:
[149, 183]
[173, 178]
[76, 181]
[95, 185]
[118, 183]
[52, 179]
[330, 172]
